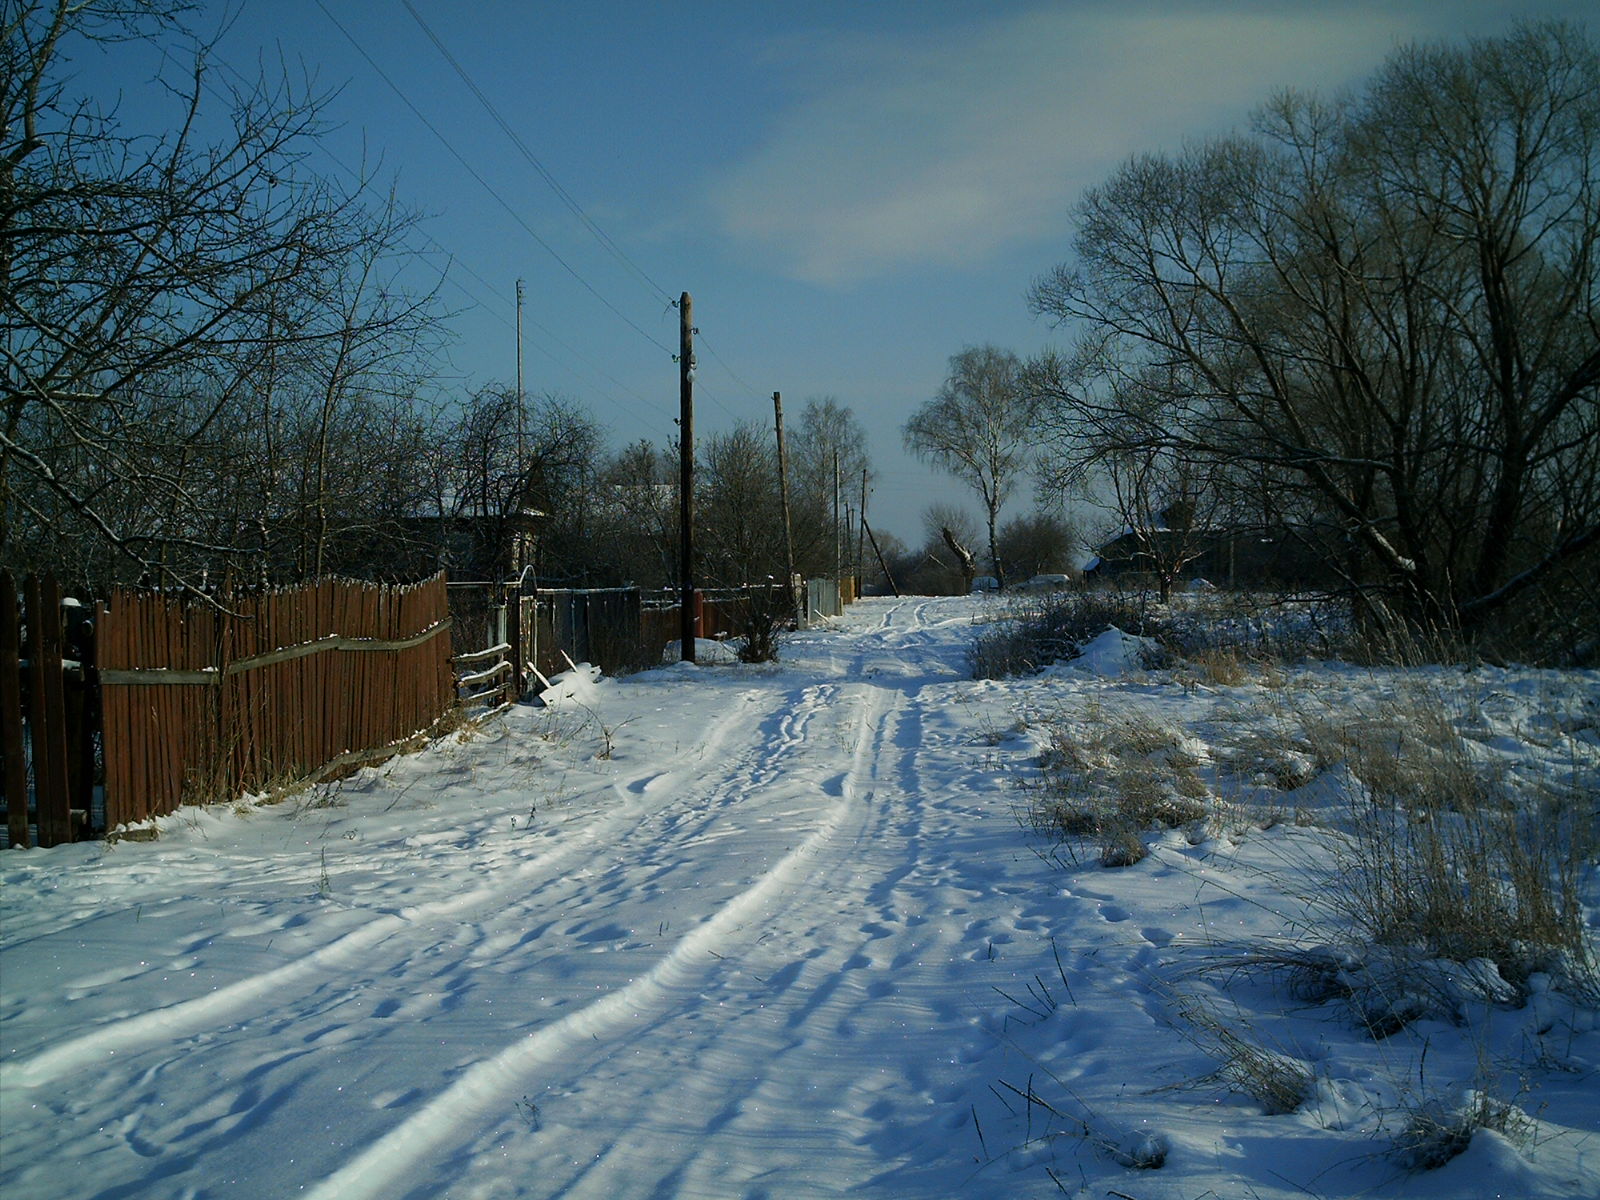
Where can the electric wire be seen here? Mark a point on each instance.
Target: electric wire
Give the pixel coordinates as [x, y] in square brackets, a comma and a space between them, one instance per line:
[721, 362]
[658, 409]
[482, 182]
[363, 184]
[600, 235]
[561, 192]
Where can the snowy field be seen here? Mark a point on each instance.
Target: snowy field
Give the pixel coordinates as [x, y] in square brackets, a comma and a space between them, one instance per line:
[783, 931]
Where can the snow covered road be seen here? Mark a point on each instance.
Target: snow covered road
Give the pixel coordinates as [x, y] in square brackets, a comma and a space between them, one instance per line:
[701, 932]
[733, 957]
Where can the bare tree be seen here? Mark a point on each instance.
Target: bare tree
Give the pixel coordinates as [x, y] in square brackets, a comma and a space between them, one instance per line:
[507, 475]
[1038, 543]
[1383, 307]
[169, 307]
[979, 428]
[740, 522]
[827, 432]
[636, 516]
[940, 516]
[942, 563]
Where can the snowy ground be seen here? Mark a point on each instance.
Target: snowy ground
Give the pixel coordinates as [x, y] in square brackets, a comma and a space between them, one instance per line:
[735, 931]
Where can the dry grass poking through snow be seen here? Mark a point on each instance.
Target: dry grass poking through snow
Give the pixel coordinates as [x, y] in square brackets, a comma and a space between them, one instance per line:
[1111, 779]
[1442, 852]
[1442, 856]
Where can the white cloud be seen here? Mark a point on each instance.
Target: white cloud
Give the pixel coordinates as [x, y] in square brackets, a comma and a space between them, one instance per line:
[944, 147]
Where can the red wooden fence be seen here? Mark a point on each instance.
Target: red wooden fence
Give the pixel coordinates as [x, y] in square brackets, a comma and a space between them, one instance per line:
[202, 703]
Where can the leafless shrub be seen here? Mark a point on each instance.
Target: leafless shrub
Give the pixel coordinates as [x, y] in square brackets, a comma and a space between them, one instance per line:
[766, 613]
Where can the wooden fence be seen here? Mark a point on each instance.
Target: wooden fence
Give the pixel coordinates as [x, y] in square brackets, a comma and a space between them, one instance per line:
[187, 701]
[46, 736]
[486, 647]
[625, 629]
[204, 702]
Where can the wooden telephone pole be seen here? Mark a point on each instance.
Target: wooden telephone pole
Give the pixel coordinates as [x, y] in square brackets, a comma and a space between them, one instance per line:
[860, 529]
[686, 630]
[783, 495]
[521, 432]
[838, 530]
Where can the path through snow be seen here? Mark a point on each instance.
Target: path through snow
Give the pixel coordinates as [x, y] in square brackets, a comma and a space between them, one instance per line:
[712, 932]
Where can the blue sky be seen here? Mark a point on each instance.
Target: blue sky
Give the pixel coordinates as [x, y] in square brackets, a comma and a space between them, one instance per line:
[851, 192]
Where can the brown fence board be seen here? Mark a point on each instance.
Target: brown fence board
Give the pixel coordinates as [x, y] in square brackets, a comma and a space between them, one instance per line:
[274, 686]
[52, 803]
[11, 739]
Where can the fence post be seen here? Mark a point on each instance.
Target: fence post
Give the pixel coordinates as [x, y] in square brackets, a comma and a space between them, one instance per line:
[533, 628]
[16, 769]
[518, 659]
[79, 701]
[53, 809]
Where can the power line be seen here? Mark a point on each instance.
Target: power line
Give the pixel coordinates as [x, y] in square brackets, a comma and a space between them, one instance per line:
[732, 374]
[583, 359]
[363, 184]
[554, 184]
[482, 182]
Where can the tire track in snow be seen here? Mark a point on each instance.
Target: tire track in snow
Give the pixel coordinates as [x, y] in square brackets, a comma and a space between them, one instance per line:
[231, 1005]
[459, 1113]
[844, 886]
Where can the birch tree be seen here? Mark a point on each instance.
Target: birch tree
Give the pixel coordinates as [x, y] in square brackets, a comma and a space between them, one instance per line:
[979, 428]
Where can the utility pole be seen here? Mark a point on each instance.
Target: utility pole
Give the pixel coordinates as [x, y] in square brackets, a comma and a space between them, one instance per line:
[686, 474]
[521, 433]
[838, 533]
[512, 596]
[893, 586]
[783, 495]
[861, 557]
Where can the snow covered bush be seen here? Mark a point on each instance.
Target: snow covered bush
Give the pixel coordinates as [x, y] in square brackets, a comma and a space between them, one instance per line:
[1222, 635]
[1054, 627]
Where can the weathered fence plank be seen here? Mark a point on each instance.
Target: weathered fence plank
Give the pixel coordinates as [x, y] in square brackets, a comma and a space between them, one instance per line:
[52, 805]
[205, 703]
[11, 734]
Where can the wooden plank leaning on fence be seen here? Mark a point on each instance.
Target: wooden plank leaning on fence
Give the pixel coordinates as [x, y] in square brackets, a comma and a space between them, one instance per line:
[204, 703]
